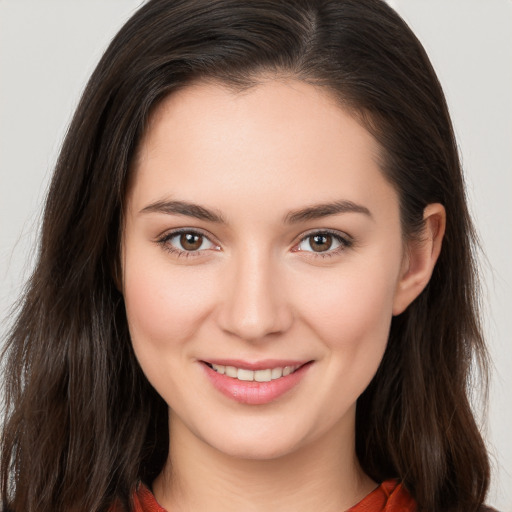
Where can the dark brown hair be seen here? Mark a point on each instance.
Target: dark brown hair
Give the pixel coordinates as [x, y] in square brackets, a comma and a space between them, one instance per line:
[82, 424]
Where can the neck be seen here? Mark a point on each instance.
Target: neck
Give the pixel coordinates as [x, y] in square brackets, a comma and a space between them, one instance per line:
[321, 476]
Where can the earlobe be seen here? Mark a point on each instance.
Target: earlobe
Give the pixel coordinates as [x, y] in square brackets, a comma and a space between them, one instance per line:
[420, 258]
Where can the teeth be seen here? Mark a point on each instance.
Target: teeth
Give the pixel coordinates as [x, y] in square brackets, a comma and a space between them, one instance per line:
[219, 368]
[231, 371]
[262, 375]
[257, 375]
[245, 374]
[277, 373]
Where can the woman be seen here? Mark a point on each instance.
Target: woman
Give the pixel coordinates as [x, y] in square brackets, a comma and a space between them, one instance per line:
[255, 284]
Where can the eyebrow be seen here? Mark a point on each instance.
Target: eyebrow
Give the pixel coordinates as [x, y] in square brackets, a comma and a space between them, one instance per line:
[293, 217]
[184, 208]
[324, 210]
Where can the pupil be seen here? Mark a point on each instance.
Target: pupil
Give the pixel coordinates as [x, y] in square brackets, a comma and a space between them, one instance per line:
[321, 243]
[191, 241]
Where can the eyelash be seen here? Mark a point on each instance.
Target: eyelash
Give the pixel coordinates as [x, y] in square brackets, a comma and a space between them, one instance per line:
[164, 242]
[344, 240]
[345, 243]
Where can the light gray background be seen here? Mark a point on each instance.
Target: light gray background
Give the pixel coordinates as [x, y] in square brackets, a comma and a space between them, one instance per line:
[48, 48]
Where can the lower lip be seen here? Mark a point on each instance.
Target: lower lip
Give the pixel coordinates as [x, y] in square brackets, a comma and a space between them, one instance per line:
[252, 392]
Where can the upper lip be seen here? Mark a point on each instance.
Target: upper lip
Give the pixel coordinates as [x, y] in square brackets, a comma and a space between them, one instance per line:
[262, 364]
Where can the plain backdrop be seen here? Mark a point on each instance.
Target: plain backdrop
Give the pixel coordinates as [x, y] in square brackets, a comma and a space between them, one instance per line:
[48, 48]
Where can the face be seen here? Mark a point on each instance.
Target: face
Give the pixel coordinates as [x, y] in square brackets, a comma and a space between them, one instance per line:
[262, 258]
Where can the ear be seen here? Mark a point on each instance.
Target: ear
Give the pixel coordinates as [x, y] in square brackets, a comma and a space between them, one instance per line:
[420, 258]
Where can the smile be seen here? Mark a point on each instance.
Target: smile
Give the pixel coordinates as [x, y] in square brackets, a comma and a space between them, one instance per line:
[265, 375]
[255, 383]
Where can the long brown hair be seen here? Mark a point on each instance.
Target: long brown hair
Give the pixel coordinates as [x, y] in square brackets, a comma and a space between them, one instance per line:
[82, 424]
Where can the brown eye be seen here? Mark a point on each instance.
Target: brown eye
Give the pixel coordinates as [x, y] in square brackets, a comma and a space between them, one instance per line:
[191, 241]
[321, 242]
[187, 242]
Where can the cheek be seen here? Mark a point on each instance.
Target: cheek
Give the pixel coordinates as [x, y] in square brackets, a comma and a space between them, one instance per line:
[349, 312]
[164, 303]
[352, 310]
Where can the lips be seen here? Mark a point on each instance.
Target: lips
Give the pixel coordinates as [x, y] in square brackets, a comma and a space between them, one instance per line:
[255, 383]
[264, 375]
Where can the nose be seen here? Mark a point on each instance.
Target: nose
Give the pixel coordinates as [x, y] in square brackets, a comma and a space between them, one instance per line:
[254, 302]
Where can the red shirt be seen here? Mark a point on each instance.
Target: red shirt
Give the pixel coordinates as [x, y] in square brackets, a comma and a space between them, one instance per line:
[390, 496]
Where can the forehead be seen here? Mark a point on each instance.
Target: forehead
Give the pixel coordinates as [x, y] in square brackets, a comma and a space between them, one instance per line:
[276, 139]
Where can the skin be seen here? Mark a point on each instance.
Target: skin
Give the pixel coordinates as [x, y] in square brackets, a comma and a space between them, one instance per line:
[257, 290]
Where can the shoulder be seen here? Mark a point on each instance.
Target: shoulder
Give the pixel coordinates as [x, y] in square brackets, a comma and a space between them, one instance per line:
[142, 501]
[389, 496]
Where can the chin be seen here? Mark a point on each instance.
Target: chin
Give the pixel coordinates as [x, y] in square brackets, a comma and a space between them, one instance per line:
[259, 443]
[264, 450]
